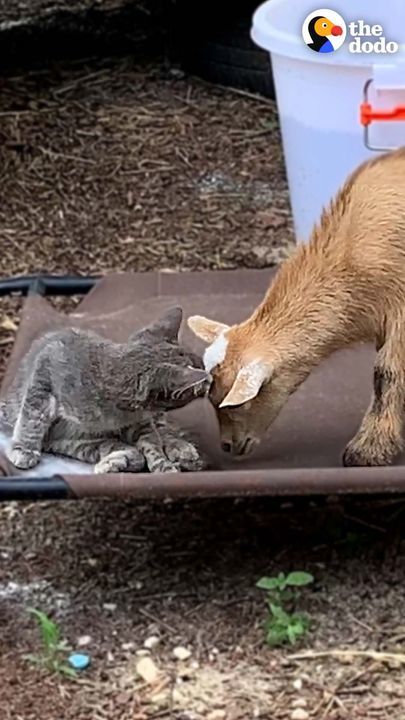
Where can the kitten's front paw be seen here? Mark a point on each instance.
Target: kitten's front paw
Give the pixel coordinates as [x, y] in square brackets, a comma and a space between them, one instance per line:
[185, 456]
[119, 461]
[163, 466]
[23, 458]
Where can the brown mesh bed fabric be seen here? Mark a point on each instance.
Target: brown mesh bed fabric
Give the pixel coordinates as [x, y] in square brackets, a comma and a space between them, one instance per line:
[302, 454]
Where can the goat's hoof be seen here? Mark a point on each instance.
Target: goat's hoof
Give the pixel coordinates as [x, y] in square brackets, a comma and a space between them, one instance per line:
[354, 457]
[23, 458]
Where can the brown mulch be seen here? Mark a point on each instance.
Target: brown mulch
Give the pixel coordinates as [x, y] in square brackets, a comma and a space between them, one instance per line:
[19, 10]
[108, 166]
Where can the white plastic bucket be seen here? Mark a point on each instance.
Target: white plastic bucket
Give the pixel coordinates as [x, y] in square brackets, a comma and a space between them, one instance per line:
[319, 97]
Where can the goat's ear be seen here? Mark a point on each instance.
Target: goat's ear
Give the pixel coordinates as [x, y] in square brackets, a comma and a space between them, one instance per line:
[205, 329]
[248, 383]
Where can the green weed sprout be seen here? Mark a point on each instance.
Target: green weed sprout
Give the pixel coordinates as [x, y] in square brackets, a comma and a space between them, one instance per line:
[54, 648]
[283, 624]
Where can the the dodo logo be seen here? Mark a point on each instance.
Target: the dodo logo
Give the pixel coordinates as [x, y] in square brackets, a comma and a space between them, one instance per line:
[324, 31]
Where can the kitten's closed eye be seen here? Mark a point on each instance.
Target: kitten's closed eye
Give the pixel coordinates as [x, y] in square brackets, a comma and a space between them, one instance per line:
[178, 386]
[196, 381]
[194, 367]
[196, 361]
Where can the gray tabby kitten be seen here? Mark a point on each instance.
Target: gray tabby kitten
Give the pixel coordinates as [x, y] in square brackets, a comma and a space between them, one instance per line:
[80, 395]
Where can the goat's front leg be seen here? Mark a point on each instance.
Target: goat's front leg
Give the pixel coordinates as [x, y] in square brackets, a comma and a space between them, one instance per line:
[380, 436]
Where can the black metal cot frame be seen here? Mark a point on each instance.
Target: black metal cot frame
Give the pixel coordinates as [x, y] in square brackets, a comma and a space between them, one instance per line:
[39, 487]
[51, 285]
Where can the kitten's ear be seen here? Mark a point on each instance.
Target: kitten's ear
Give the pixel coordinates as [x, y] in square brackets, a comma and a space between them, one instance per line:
[167, 327]
[190, 379]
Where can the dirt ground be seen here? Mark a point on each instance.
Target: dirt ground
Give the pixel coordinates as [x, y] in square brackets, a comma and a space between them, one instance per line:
[20, 10]
[108, 166]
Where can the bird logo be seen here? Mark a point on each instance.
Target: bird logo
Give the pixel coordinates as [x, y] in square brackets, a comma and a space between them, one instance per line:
[324, 31]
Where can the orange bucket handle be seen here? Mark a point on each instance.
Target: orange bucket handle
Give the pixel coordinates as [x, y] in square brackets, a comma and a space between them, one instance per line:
[368, 115]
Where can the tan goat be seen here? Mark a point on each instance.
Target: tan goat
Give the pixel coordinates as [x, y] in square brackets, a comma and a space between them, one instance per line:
[346, 285]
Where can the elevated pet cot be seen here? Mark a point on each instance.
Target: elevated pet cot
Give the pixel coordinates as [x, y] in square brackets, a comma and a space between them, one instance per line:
[300, 457]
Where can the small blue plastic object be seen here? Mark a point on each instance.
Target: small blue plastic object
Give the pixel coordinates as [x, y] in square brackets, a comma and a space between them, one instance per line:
[78, 661]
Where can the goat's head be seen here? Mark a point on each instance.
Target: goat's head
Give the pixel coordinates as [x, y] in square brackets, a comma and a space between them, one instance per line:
[246, 391]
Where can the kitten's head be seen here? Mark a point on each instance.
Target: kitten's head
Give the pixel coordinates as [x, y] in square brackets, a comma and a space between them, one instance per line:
[174, 376]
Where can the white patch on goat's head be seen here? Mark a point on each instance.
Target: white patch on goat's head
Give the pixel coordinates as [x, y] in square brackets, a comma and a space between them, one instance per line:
[215, 353]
